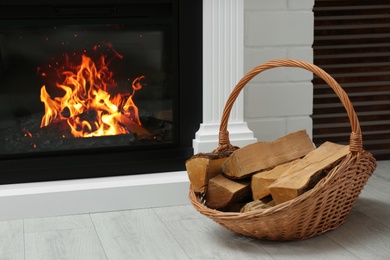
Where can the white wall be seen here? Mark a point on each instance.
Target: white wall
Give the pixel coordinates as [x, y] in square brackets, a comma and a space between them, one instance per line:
[278, 101]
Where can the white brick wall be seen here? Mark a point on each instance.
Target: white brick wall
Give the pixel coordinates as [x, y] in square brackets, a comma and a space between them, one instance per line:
[278, 101]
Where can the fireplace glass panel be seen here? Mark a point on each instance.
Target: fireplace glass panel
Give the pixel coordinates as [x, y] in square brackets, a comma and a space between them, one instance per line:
[72, 86]
[121, 57]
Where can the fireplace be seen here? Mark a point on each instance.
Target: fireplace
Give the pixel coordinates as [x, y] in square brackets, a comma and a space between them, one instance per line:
[98, 89]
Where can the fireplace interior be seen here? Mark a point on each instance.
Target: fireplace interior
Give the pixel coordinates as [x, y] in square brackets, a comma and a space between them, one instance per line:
[98, 89]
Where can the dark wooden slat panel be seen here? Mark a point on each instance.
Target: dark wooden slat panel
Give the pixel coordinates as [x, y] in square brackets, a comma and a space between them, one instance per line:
[370, 137]
[319, 23]
[332, 131]
[381, 156]
[338, 133]
[381, 125]
[353, 60]
[353, 99]
[345, 138]
[344, 119]
[341, 80]
[351, 12]
[351, 69]
[346, 41]
[341, 109]
[337, 32]
[332, 120]
[352, 43]
[326, 3]
[325, 89]
[347, 129]
[379, 146]
[350, 50]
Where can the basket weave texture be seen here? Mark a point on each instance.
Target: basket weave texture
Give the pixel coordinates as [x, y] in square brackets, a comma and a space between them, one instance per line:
[321, 209]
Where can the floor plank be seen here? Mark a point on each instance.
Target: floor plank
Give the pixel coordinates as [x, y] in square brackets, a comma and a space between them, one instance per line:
[380, 180]
[176, 213]
[57, 223]
[374, 204]
[202, 238]
[363, 236]
[320, 247]
[11, 240]
[382, 170]
[81, 243]
[64, 237]
[136, 234]
[374, 201]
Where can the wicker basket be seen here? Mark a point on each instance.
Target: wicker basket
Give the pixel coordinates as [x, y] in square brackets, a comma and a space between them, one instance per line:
[323, 208]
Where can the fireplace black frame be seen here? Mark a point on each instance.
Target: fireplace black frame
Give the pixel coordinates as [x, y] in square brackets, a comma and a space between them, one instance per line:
[120, 161]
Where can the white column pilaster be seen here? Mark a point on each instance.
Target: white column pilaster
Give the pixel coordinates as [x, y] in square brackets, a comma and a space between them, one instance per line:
[223, 63]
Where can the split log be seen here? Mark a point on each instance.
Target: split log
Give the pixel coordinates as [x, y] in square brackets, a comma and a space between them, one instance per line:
[223, 192]
[202, 167]
[237, 206]
[263, 155]
[304, 175]
[261, 180]
[264, 203]
[133, 127]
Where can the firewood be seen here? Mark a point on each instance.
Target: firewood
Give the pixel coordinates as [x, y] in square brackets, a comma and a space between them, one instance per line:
[237, 206]
[263, 155]
[222, 192]
[264, 203]
[304, 175]
[261, 180]
[203, 166]
[132, 126]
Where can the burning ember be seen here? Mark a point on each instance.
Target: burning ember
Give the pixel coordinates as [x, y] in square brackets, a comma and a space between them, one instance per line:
[89, 101]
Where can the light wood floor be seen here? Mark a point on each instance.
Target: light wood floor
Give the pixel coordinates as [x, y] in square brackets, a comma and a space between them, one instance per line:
[182, 233]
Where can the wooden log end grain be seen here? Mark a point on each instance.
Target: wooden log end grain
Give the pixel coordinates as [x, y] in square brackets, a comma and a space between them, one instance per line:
[223, 192]
[203, 166]
[264, 203]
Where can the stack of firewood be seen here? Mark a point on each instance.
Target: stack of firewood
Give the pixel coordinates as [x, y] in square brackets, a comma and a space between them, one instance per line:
[263, 174]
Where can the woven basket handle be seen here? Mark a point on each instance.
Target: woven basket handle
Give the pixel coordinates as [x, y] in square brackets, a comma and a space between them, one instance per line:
[356, 142]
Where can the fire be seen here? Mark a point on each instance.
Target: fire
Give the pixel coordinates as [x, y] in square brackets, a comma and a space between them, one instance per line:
[86, 104]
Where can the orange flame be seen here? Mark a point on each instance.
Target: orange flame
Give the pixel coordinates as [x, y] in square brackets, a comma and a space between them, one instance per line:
[86, 105]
